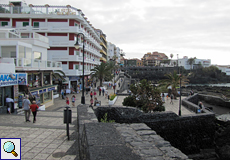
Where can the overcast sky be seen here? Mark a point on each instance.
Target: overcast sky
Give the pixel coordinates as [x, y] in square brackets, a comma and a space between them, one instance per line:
[193, 28]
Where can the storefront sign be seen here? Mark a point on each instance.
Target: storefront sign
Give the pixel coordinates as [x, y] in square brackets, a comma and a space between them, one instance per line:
[13, 79]
[42, 91]
[51, 89]
[34, 93]
[74, 78]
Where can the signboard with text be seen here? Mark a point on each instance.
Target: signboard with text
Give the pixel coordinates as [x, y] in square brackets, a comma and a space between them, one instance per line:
[13, 79]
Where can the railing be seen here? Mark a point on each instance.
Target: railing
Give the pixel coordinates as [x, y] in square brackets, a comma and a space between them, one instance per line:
[50, 10]
[34, 63]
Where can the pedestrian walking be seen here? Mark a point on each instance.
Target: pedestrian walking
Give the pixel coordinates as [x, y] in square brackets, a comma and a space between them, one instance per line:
[62, 94]
[103, 91]
[163, 97]
[99, 91]
[172, 97]
[91, 102]
[26, 106]
[95, 93]
[73, 100]
[67, 100]
[106, 93]
[91, 94]
[8, 104]
[34, 107]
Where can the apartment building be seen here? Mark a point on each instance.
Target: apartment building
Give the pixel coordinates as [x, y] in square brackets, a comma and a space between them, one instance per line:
[153, 59]
[103, 44]
[114, 52]
[24, 68]
[61, 25]
[196, 63]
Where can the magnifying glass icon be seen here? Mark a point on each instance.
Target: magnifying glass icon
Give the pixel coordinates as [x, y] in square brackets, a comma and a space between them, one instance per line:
[9, 147]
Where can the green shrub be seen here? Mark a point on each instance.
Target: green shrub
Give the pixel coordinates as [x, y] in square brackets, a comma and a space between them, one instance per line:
[105, 119]
[159, 108]
[112, 97]
[129, 101]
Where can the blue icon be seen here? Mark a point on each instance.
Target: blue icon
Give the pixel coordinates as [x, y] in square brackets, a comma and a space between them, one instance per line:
[9, 147]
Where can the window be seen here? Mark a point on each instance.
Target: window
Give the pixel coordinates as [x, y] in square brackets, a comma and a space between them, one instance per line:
[77, 53]
[38, 55]
[25, 24]
[47, 96]
[34, 79]
[4, 24]
[36, 24]
[76, 66]
[46, 78]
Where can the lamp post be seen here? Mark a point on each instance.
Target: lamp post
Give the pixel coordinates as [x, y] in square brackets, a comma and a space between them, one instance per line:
[180, 98]
[77, 46]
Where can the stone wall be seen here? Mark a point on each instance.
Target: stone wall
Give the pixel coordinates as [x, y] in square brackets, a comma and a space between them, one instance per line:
[120, 141]
[189, 133]
[192, 102]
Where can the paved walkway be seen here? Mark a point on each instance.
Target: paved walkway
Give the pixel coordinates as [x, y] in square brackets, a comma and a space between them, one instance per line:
[46, 139]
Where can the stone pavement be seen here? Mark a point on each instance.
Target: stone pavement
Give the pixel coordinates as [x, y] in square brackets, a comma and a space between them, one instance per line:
[46, 139]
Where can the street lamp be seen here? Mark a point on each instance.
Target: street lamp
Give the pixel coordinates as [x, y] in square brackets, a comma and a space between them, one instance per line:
[180, 98]
[77, 46]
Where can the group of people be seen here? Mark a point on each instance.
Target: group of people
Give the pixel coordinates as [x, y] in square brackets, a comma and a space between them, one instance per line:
[28, 108]
[73, 99]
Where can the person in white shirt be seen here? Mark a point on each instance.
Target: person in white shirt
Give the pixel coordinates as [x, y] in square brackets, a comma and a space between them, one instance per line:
[8, 104]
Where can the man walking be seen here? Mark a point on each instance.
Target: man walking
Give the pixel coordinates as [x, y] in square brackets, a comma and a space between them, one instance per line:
[26, 105]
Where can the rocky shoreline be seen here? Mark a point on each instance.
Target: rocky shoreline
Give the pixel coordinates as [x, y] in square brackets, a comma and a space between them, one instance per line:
[220, 91]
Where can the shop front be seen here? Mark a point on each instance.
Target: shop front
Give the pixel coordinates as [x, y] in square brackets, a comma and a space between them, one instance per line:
[9, 87]
[74, 82]
[44, 96]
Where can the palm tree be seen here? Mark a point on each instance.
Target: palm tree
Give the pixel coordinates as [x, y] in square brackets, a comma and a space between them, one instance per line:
[173, 80]
[171, 56]
[103, 70]
[191, 61]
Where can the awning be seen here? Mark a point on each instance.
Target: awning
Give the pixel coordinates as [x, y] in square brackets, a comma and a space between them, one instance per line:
[103, 59]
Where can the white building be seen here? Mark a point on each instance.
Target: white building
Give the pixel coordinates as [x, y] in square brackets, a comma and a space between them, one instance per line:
[113, 51]
[25, 59]
[197, 62]
[61, 25]
[225, 69]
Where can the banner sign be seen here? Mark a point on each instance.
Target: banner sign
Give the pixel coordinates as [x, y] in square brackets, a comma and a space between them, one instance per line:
[51, 89]
[42, 91]
[13, 79]
[34, 93]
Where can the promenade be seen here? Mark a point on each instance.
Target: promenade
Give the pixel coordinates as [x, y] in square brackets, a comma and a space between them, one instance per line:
[46, 139]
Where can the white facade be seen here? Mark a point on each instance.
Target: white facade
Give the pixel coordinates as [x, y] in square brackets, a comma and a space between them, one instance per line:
[185, 63]
[61, 25]
[25, 53]
[225, 69]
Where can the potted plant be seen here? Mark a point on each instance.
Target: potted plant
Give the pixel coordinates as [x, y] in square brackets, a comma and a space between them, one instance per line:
[112, 99]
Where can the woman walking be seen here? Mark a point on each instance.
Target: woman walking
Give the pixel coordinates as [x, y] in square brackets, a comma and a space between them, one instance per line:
[67, 100]
[73, 100]
[34, 108]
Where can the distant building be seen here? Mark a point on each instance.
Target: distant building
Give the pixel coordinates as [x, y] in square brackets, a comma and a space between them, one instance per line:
[153, 59]
[103, 44]
[225, 69]
[196, 64]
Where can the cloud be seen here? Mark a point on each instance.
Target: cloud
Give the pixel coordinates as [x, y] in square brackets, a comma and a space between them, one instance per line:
[184, 27]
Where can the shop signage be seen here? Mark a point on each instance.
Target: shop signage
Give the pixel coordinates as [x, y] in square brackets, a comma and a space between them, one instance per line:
[34, 93]
[42, 91]
[74, 78]
[51, 89]
[13, 79]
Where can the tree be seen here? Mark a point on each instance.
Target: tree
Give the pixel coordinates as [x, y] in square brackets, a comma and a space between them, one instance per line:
[103, 70]
[171, 55]
[173, 80]
[146, 96]
[191, 61]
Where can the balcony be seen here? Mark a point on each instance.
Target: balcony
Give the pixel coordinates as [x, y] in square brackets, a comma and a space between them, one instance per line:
[34, 64]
